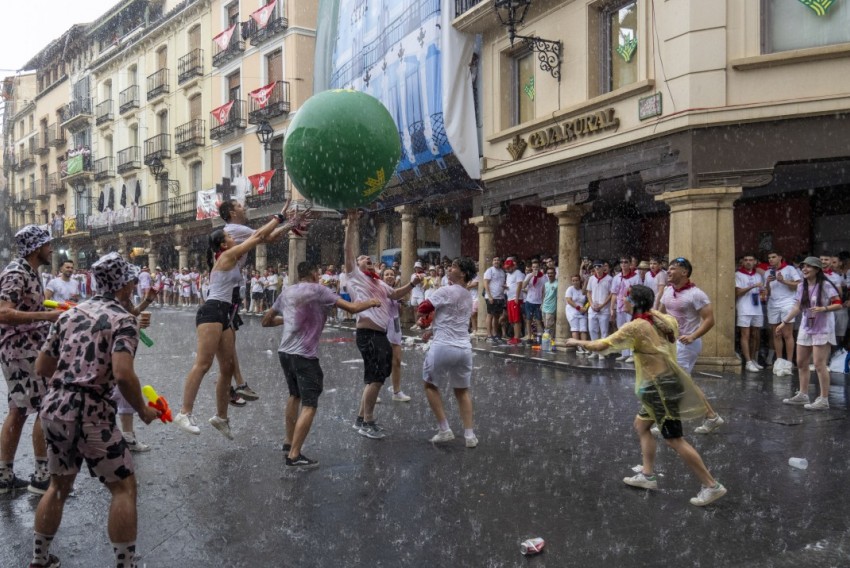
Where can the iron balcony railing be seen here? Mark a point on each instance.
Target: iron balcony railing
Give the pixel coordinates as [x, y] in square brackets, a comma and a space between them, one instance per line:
[275, 193]
[129, 159]
[33, 145]
[128, 99]
[463, 6]
[82, 166]
[25, 159]
[103, 112]
[233, 50]
[190, 65]
[276, 25]
[55, 135]
[42, 143]
[104, 168]
[236, 120]
[169, 211]
[188, 136]
[157, 84]
[158, 146]
[76, 114]
[277, 104]
[41, 189]
[55, 184]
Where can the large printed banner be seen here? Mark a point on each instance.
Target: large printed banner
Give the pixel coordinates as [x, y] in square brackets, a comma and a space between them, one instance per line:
[262, 15]
[208, 202]
[263, 94]
[222, 113]
[222, 40]
[74, 165]
[261, 182]
[406, 54]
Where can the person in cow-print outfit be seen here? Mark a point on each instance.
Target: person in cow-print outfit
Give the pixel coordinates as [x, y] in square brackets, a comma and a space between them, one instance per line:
[89, 352]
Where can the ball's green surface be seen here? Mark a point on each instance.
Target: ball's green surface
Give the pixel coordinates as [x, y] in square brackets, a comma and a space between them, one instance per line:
[341, 149]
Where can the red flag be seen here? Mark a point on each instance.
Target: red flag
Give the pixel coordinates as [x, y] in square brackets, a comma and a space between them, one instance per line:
[262, 94]
[261, 181]
[223, 39]
[262, 15]
[222, 113]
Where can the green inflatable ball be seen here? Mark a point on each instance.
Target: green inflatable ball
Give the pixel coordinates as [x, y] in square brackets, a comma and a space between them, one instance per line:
[341, 149]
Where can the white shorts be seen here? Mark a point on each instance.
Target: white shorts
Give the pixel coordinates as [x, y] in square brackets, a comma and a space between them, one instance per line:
[776, 314]
[394, 331]
[750, 321]
[448, 365]
[687, 355]
[598, 323]
[578, 323]
[623, 318]
[841, 319]
[809, 340]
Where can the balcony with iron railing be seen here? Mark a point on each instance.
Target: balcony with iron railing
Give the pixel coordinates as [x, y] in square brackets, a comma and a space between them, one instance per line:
[55, 135]
[158, 146]
[104, 168]
[128, 99]
[463, 6]
[190, 66]
[276, 25]
[103, 112]
[129, 159]
[177, 209]
[157, 84]
[233, 50]
[189, 136]
[41, 190]
[236, 120]
[276, 105]
[79, 166]
[25, 158]
[42, 143]
[275, 193]
[31, 191]
[10, 160]
[77, 114]
[55, 184]
[33, 144]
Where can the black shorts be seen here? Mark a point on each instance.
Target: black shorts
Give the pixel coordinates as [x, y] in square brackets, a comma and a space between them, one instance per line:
[257, 295]
[666, 410]
[236, 301]
[269, 297]
[215, 311]
[496, 307]
[377, 355]
[304, 378]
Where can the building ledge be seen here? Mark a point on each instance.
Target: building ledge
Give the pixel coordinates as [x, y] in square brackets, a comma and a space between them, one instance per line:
[792, 57]
[601, 100]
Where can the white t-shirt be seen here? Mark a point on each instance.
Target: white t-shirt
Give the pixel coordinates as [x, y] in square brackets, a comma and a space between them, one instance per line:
[577, 296]
[144, 279]
[511, 281]
[240, 234]
[497, 278]
[534, 292]
[835, 278]
[343, 280]
[653, 282]
[63, 291]
[363, 287]
[781, 294]
[451, 318]
[271, 282]
[256, 285]
[417, 293]
[685, 306]
[599, 290]
[304, 308]
[620, 287]
[473, 292]
[748, 304]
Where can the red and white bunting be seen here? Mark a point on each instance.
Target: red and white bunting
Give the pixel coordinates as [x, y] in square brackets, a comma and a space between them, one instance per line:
[262, 15]
[261, 181]
[222, 113]
[222, 40]
[262, 95]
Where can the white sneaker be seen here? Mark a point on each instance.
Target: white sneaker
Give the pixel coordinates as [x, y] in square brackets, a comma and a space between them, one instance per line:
[630, 359]
[222, 425]
[798, 399]
[642, 481]
[708, 495]
[752, 367]
[709, 425]
[400, 397]
[820, 403]
[186, 422]
[443, 436]
[622, 358]
[759, 367]
[135, 445]
[471, 442]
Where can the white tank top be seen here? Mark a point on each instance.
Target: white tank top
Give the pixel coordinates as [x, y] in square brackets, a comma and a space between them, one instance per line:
[222, 284]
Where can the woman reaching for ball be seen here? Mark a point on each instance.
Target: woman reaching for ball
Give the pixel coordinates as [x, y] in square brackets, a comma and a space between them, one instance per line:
[213, 320]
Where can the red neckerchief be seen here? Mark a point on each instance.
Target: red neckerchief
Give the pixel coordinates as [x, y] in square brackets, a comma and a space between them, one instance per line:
[782, 265]
[654, 274]
[598, 279]
[827, 271]
[218, 254]
[687, 285]
[648, 317]
[629, 275]
[373, 274]
[743, 270]
[536, 276]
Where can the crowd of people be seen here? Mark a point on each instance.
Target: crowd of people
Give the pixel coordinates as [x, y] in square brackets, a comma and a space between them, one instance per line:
[73, 369]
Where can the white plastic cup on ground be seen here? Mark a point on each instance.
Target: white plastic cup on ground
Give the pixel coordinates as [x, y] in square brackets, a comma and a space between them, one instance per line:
[799, 463]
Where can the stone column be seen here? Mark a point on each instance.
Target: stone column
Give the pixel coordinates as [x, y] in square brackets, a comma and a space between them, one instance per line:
[486, 250]
[702, 229]
[55, 259]
[381, 240]
[183, 256]
[569, 259]
[297, 254]
[260, 255]
[153, 256]
[408, 240]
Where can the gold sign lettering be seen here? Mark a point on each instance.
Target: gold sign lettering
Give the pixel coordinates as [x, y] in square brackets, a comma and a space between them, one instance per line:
[573, 129]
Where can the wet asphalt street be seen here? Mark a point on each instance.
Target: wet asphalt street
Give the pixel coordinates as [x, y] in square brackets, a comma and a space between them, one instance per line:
[555, 445]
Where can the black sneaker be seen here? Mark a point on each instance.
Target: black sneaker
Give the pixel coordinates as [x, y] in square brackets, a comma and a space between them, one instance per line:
[301, 461]
[52, 562]
[38, 487]
[14, 484]
[235, 399]
[371, 430]
[358, 424]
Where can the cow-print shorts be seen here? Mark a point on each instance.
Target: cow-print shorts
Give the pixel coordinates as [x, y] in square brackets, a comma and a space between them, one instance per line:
[99, 443]
[24, 386]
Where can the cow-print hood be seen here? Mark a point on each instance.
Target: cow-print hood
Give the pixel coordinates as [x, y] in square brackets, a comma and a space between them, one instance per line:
[112, 272]
[30, 239]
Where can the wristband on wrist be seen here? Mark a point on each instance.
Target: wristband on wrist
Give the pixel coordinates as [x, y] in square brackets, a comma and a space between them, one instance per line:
[280, 218]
